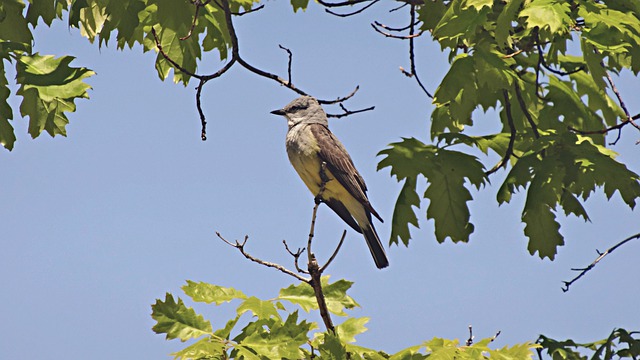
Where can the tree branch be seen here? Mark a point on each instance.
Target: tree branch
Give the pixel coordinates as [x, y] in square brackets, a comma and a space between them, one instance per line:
[583, 271]
[240, 246]
[512, 136]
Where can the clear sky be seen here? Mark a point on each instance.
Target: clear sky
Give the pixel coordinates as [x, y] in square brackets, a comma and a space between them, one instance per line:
[98, 225]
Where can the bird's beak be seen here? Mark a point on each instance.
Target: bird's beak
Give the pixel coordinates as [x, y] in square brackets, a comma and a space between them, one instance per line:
[278, 112]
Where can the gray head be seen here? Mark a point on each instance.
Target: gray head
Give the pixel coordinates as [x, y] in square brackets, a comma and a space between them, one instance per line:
[304, 109]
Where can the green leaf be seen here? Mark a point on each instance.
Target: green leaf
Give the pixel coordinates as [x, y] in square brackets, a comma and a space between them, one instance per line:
[503, 23]
[299, 4]
[178, 321]
[405, 158]
[260, 308]
[403, 213]
[551, 17]
[350, 328]
[7, 135]
[542, 229]
[448, 195]
[202, 349]
[332, 348]
[47, 10]
[335, 296]
[49, 87]
[208, 293]
[14, 31]
[280, 341]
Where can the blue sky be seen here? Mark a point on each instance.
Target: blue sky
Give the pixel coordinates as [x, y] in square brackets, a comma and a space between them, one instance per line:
[98, 225]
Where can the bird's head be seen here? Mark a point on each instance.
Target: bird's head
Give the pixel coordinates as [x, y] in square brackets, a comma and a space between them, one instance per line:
[305, 109]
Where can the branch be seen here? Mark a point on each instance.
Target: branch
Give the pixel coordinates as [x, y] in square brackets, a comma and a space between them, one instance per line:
[375, 25]
[314, 270]
[606, 130]
[240, 246]
[546, 66]
[512, 129]
[335, 252]
[296, 256]
[583, 271]
[525, 110]
[290, 60]
[349, 112]
[351, 13]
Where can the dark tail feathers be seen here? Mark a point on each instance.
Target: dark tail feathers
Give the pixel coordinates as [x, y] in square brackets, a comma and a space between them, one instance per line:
[375, 246]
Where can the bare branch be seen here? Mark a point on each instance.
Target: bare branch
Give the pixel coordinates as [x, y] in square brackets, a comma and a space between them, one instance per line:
[290, 60]
[335, 252]
[389, 28]
[470, 339]
[373, 25]
[240, 246]
[349, 112]
[583, 271]
[296, 256]
[249, 11]
[354, 12]
[340, 99]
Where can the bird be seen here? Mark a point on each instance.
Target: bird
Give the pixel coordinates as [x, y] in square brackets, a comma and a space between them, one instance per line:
[319, 157]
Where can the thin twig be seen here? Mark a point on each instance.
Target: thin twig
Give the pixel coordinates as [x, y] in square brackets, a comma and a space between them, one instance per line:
[340, 99]
[618, 127]
[401, 37]
[335, 252]
[248, 11]
[296, 256]
[240, 246]
[512, 136]
[354, 12]
[583, 271]
[525, 110]
[340, 4]
[546, 66]
[289, 63]
[470, 339]
[349, 112]
[389, 28]
[412, 54]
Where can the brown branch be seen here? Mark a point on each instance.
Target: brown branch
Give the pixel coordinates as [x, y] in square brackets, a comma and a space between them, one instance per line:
[523, 107]
[618, 127]
[412, 54]
[289, 63]
[296, 256]
[349, 112]
[389, 28]
[544, 64]
[583, 271]
[354, 12]
[512, 136]
[335, 252]
[401, 37]
[248, 11]
[340, 4]
[240, 246]
[340, 99]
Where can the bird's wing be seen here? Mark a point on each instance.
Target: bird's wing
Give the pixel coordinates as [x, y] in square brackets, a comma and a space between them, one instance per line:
[338, 161]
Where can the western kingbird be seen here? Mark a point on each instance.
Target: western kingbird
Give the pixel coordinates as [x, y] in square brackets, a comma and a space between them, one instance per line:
[309, 144]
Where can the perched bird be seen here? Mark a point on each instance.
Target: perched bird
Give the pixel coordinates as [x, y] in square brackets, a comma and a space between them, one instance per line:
[309, 144]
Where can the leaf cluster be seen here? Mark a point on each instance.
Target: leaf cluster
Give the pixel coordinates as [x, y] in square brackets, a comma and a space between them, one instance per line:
[619, 344]
[267, 329]
[544, 66]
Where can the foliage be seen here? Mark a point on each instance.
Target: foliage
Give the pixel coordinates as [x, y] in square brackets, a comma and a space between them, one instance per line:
[620, 344]
[271, 330]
